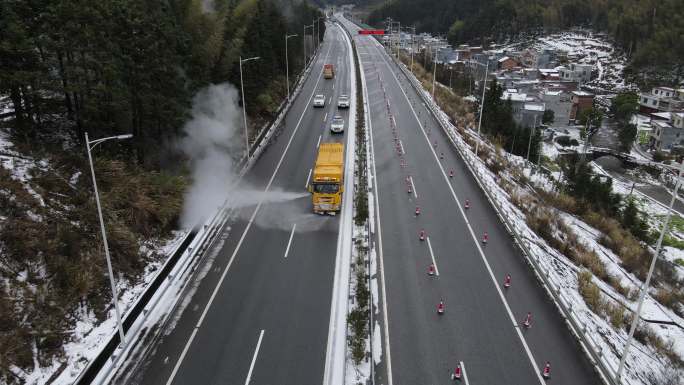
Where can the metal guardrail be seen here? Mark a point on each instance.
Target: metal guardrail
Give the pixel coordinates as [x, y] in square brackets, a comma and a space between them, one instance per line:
[207, 233]
[593, 350]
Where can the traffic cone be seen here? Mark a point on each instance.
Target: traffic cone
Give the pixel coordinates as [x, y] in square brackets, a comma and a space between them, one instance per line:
[528, 320]
[507, 281]
[417, 210]
[440, 307]
[485, 237]
[451, 173]
[547, 370]
[421, 235]
[467, 205]
[457, 373]
[431, 269]
[408, 188]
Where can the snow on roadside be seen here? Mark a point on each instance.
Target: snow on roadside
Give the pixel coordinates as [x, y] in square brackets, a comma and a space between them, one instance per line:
[89, 336]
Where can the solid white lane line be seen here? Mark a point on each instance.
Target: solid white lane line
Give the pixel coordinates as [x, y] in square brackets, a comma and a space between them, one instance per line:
[385, 313]
[413, 187]
[465, 374]
[325, 117]
[476, 240]
[432, 255]
[242, 237]
[287, 249]
[256, 353]
[307, 179]
[319, 141]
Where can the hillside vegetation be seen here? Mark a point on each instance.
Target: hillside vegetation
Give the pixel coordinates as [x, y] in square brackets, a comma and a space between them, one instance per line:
[109, 68]
[641, 28]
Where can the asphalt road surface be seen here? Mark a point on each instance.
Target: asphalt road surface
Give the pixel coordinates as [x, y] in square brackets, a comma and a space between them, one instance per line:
[481, 326]
[263, 308]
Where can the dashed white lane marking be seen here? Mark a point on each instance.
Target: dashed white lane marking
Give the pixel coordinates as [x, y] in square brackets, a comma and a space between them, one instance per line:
[432, 255]
[289, 242]
[307, 179]
[465, 374]
[325, 117]
[319, 141]
[413, 187]
[256, 353]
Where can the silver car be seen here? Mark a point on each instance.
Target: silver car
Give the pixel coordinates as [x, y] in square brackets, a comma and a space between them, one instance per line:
[343, 101]
[319, 101]
[337, 125]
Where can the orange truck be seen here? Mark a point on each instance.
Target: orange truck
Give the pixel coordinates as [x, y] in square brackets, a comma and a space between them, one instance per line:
[328, 71]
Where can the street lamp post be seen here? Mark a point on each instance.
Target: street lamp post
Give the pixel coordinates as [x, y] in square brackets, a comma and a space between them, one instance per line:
[434, 74]
[479, 124]
[115, 294]
[644, 286]
[304, 41]
[244, 110]
[287, 67]
[529, 142]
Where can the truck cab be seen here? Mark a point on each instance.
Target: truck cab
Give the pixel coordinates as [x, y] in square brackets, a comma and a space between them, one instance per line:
[327, 184]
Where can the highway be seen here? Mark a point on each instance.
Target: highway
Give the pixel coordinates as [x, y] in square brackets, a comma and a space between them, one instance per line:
[481, 326]
[261, 314]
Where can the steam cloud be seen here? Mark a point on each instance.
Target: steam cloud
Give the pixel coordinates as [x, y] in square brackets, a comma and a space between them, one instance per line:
[212, 143]
[212, 137]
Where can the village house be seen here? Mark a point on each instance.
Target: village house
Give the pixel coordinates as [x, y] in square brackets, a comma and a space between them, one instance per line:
[581, 101]
[661, 99]
[667, 134]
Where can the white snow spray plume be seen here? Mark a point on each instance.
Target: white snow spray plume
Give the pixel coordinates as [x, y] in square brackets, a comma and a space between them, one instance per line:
[212, 143]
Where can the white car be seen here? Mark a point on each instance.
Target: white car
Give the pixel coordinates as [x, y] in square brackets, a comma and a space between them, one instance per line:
[319, 101]
[337, 125]
[343, 101]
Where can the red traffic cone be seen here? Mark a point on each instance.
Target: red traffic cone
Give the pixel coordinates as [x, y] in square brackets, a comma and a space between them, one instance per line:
[467, 205]
[528, 320]
[440, 307]
[507, 281]
[457, 373]
[485, 237]
[417, 210]
[421, 235]
[451, 173]
[431, 269]
[547, 370]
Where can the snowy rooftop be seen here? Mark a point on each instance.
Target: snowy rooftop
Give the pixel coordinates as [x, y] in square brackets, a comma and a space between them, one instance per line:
[534, 107]
[516, 97]
[582, 93]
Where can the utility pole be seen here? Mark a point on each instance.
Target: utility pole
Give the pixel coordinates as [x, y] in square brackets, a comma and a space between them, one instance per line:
[479, 124]
[529, 142]
[644, 287]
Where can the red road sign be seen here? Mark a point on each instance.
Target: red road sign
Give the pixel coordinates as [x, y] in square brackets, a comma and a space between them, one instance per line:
[371, 32]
